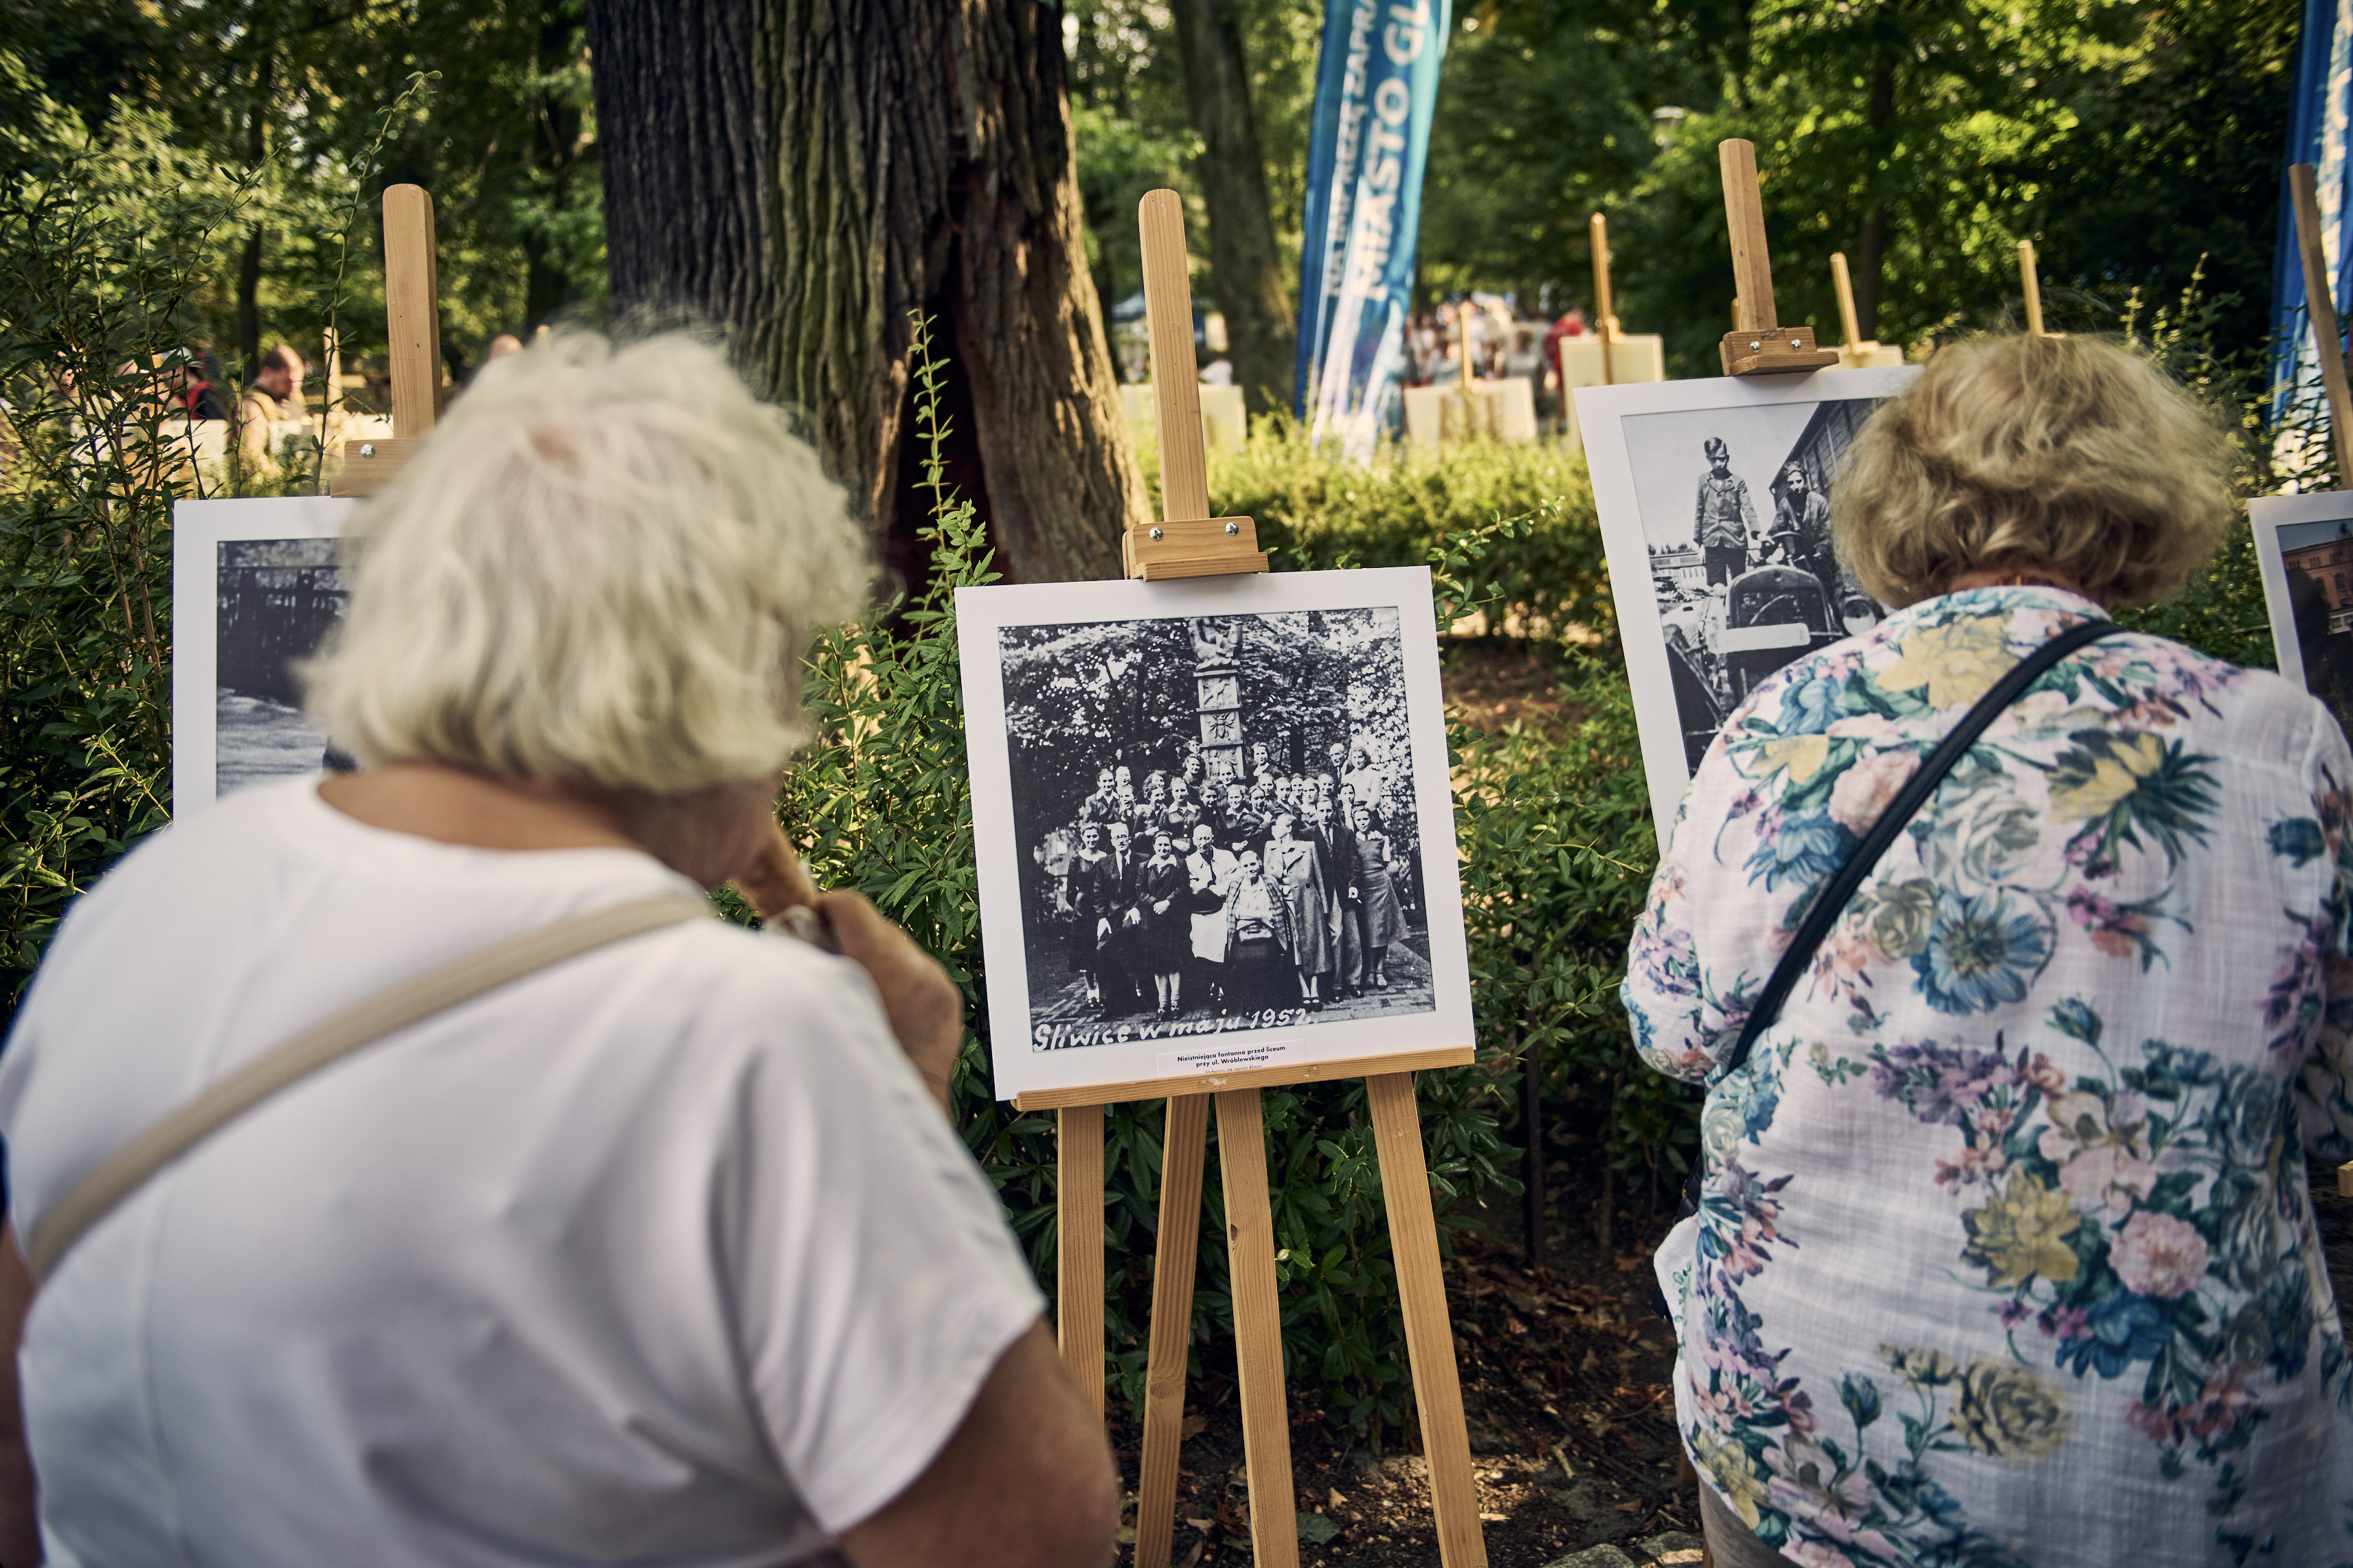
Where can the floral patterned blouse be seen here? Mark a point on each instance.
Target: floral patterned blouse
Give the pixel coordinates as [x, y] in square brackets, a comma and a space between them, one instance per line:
[2006, 1255]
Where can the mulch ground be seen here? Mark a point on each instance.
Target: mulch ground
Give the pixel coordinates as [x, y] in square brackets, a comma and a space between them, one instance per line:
[1572, 1433]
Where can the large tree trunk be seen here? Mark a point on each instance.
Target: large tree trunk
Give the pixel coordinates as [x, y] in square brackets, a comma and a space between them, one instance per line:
[802, 173]
[1871, 245]
[1245, 270]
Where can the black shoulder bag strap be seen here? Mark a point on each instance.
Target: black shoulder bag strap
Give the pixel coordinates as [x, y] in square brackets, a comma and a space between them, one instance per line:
[1830, 901]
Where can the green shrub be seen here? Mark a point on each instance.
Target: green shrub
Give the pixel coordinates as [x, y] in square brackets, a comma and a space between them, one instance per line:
[1317, 510]
[100, 242]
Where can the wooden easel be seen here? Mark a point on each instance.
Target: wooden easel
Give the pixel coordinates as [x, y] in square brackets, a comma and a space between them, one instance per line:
[1188, 543]
[413, 322]
[1605, 319]
[1760, 346]
[2030, 284]
[1857, 352]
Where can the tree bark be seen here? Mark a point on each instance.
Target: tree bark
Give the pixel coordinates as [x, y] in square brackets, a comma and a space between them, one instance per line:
[1871, 245]
[1245, 270]
[803, 173]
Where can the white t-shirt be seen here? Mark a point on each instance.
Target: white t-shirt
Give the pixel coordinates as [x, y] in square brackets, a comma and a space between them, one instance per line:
[663, 1253]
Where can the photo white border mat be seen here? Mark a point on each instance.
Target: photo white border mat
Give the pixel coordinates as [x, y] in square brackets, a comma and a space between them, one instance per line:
[1600, 412]
[199, 528]
[2267, 515]
[982, 612]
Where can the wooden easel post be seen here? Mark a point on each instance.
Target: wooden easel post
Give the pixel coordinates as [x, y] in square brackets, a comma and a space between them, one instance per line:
[1188, 542]
[1191, 544]
[413, 321]
[2320, 301]
[1760, 345]
[1850, 325]
[1078, 1245]
[1604, 322]
[2030, 284]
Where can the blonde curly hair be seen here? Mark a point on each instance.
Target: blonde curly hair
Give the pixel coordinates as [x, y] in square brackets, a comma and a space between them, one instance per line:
[603, 567]
[2070, 455]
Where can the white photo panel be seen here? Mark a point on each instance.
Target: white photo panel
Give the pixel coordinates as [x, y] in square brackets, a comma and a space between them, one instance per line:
[1714, 502]
[256, 583]
[2304, 545]
[1286, 732]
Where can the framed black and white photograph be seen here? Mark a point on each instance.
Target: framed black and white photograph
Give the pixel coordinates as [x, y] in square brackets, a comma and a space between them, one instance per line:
[2304, 545]
[1213, 824]
[1714, 498]
[254, 584]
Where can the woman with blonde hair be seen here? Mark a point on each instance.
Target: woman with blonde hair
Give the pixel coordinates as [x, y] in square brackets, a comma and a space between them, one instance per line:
[2012, 949]
[618, 1234]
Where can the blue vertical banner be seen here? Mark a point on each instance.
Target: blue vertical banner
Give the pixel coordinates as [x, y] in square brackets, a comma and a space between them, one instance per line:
[2317, 135]
[1376, 92]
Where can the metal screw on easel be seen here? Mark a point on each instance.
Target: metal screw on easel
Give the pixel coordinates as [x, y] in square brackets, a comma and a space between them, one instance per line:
[1233, 528]
[367, 449]
[1153, 534]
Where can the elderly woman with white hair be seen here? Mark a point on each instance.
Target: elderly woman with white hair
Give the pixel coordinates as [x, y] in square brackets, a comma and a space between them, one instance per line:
[2012, 948]
[664, 1251]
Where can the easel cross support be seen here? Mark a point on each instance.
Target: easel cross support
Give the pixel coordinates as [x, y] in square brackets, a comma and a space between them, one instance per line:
[1190, 543]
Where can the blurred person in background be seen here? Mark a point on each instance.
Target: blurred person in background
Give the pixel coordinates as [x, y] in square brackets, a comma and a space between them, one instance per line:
[2004, 1253]
[666, 1252]
[274, 394]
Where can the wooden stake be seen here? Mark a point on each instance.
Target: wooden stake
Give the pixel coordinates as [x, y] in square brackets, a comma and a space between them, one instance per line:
[2031, 286]
[1760, 346]
[1258, 1328]
[1597, 229]
[1183, 1143]
[1429, 1335]
[412, 312]
[1850, 325]
[1189, 542]
[2320, 301]
[1078, 1245]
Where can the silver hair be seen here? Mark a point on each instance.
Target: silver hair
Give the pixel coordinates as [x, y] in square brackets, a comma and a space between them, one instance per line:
[604, 567]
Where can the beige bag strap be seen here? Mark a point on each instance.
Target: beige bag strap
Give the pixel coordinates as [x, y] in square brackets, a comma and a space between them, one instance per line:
[412, 1001]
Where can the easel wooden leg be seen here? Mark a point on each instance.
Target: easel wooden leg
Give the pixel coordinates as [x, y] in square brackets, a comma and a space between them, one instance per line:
[1183, 1146]
[1429, 1338]
[1258, 1329]
[1079, 1245]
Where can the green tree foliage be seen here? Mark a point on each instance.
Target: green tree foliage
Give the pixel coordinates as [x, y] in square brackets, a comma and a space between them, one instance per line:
[2126, 141]
[101, 239]
[1133, 132]
[506, 144]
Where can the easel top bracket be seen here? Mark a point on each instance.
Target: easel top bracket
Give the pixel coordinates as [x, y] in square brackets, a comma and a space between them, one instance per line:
[1187, 541]
[1761, 346]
